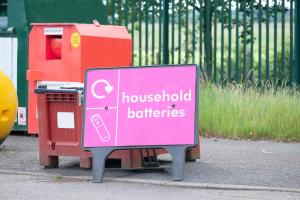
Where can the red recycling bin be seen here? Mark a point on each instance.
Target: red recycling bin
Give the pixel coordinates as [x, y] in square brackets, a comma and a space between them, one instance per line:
[59, 117]
[62, 51]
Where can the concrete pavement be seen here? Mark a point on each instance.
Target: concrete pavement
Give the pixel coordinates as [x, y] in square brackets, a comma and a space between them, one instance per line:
[46, 187]
[244, 169]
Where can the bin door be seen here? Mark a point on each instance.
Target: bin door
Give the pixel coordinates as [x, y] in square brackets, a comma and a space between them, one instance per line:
[8, 57]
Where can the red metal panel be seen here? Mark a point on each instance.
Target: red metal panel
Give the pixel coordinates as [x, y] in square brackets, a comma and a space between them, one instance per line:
[63, 103]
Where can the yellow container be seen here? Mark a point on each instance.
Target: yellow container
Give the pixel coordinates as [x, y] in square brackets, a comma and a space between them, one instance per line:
[8, 106]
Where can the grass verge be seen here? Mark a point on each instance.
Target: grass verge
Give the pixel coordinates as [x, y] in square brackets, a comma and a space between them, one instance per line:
[236, 112]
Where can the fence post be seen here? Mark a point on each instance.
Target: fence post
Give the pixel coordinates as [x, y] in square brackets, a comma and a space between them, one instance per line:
[207, 45]
[297, 42]
[166, 32]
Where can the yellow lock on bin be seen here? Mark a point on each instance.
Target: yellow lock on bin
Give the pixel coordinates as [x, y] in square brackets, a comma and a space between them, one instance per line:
[8, 106]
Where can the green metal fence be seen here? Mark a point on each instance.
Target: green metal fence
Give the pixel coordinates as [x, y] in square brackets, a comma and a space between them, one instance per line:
[232, 41]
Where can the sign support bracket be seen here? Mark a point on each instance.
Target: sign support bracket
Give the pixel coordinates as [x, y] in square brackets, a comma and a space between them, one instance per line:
[177, 152]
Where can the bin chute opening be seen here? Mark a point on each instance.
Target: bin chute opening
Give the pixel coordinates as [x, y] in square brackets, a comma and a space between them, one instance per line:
[53, 47]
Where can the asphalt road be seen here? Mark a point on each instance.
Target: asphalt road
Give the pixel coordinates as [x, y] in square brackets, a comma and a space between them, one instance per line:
[254, 163]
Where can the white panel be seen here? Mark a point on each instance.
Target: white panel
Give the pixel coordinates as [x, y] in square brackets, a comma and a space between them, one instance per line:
[8, 57]
[14, 76]
[65, 120]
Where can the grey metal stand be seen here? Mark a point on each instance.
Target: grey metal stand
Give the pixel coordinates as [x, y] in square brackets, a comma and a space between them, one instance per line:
[99, 158]
[100, 154]
[178, 155]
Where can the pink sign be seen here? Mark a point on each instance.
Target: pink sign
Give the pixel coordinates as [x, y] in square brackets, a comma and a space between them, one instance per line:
[150, 106]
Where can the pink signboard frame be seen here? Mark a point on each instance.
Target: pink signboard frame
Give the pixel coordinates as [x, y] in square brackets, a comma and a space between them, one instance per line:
[144, 107]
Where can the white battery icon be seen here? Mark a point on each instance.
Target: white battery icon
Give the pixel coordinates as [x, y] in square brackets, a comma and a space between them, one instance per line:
[100, 127]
